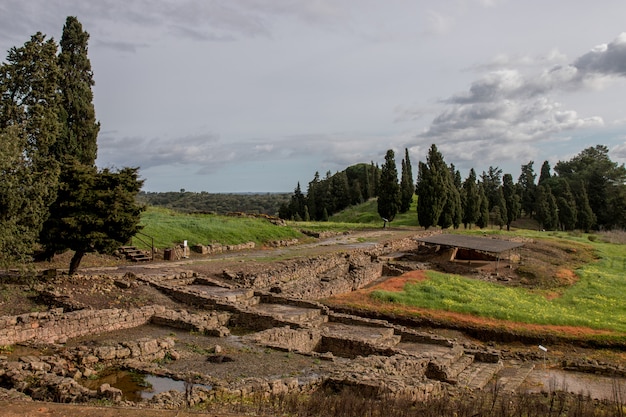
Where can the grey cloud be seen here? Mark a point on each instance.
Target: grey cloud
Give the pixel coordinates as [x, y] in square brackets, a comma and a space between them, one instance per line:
[605, 59]
[121, 46]
[152, 152]
[516, 110]
[208, 153]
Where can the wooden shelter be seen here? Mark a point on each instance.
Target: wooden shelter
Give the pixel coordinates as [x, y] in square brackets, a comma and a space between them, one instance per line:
[491, 246]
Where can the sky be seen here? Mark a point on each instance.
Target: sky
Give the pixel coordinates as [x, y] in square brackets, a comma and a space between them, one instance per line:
[258, 95]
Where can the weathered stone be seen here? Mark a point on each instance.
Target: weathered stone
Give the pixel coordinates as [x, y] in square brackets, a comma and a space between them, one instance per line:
[110, 393]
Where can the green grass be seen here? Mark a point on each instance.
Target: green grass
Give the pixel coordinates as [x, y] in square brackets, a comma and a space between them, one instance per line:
[595, 301]
[367, 214]
[168, 227]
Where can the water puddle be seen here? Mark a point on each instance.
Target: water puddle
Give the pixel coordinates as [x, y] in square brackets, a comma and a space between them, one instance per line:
[135, 386]
[14, 352]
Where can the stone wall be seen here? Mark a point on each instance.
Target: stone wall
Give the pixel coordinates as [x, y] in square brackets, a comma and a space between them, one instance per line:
[56, 327]
[217, 248]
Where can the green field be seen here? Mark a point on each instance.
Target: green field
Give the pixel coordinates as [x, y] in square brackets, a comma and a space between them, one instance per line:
[168, 227]
[596, 301]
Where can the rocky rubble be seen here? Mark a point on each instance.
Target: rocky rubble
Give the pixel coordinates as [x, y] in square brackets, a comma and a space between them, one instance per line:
[56, 377]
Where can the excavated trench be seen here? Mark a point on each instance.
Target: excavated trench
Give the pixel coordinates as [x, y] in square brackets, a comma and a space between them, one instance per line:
[251, 333]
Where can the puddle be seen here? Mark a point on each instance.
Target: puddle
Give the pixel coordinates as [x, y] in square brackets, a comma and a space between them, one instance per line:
[135, 386]
[14, 352]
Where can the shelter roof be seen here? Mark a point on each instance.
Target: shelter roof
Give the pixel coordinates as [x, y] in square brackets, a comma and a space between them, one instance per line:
[471, 242]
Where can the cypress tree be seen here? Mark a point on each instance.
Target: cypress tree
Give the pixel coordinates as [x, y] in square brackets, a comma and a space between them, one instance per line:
[433, 184]
[492, 181]
[545, 174]
[78, 117]
[340, 191]
[500, 215]
[471, 200]
[483, 211]
[526, 186]
[511, 199]
[389, 190]
[406, 183]
[586, 218]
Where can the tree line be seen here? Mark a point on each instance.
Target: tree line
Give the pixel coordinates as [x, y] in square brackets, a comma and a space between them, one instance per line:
[52, 196]
[587, 192]
[219, 203]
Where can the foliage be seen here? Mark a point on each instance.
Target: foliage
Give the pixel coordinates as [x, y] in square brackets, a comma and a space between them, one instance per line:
[451, 214]
[78, 117]
[389, 191]
[432, 188]
[407, 186]
[492, 181]
[470, 200]
[354, 185]
[603, 181]
[526, 188]
[28, 128]
[217, 203]
[511, 200]
[94, 211]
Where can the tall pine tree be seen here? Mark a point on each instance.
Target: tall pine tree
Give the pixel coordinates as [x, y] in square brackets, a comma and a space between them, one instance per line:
[406, 183]
[78, 117]
[389, 189]
[471, 201]
[433, 182]
[511, 199]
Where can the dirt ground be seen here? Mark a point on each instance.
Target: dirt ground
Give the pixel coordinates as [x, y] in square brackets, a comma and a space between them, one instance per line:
[544, 266]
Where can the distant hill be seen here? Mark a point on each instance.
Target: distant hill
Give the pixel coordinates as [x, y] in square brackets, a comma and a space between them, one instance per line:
[368, 213]
[204, 202]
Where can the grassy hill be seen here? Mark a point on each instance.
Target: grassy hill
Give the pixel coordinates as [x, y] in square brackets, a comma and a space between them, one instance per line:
[169, 227]
[367, 213]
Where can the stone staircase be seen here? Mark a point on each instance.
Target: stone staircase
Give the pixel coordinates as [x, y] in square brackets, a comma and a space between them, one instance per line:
[511, 377]
[133, 254]
[478, 374]
[459, 368]
[292, 315]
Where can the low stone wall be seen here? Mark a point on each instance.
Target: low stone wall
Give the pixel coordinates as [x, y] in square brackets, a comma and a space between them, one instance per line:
[210, 324]
[54, 326]
[287, 339]
[217, 248]
[293, 271]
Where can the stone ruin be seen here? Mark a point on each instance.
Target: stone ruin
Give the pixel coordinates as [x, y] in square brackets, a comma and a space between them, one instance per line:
[376, 356]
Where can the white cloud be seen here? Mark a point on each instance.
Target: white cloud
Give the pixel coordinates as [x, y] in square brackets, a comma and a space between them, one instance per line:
[505, 111]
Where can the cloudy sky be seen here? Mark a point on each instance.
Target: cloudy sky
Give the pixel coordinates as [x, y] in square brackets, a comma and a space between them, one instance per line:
[256, 95]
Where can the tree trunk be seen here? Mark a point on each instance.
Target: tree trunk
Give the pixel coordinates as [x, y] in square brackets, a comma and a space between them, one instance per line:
[78, 256]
